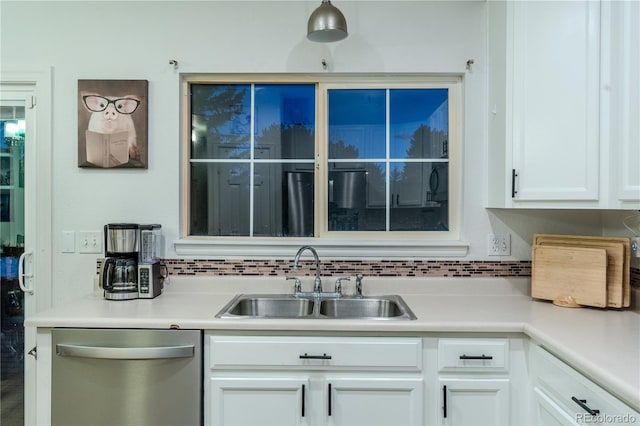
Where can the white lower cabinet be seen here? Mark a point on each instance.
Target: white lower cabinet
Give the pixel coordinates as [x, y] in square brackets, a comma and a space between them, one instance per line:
[548, 412]
[563, 396]
[475, 402]
[355, 401]
[474, 381]
[268, 401]
[451, 379]
[297, 380]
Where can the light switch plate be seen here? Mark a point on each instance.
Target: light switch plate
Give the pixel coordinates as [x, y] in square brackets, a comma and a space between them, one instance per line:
[90, 241]
[68, 241]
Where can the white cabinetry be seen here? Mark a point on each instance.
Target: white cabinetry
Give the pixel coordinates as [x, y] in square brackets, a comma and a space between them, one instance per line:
[257, 400]
[562, 396]
[554, 130]
[373, 400]
[624, 90]
[292, 380]
[473, 375]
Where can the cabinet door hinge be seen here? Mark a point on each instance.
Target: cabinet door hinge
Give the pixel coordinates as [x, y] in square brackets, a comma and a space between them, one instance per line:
[32, 102]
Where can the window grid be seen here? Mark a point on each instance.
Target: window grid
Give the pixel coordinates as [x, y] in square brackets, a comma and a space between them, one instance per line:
[318, 158]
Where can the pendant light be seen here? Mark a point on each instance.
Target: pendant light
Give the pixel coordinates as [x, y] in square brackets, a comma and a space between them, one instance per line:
[326, 24]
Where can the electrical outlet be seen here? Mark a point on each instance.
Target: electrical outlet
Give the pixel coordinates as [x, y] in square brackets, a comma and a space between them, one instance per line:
[90, 241]
[499, 245]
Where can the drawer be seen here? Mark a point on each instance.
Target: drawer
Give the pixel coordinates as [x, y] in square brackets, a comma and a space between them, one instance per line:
[473, 355]
[315, 352]
[563, 385]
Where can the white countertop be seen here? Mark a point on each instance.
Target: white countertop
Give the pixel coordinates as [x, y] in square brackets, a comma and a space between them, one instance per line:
[602, 344]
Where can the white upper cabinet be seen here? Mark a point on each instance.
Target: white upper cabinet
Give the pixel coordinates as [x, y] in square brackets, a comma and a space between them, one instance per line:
[623, 41]
[552, 142]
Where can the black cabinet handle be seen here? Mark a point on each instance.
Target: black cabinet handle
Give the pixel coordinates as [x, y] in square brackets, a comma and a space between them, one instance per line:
[329, 400]
[444, 401]
[483, 356]
[514, 174]
[303, 399]
[323, 356]
[583, 404]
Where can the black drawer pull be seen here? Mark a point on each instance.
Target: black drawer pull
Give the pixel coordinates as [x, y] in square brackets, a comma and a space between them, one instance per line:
[444, 401]
[583, 404]
[323, 356]
[483, 356]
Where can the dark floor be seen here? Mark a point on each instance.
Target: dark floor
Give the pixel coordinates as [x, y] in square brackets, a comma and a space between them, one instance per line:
[12, 377]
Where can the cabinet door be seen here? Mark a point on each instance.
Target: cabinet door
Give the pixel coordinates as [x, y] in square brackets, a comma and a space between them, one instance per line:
[555, 58]
[257, 401]
[374, 401]
[547, 412]
[474, 402]
[625, 100]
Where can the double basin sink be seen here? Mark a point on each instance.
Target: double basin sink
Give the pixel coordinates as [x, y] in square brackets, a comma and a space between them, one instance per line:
[290, 307]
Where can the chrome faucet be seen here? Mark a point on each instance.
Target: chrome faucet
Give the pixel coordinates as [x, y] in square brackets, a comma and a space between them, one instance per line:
[359, 285]
[317, 283]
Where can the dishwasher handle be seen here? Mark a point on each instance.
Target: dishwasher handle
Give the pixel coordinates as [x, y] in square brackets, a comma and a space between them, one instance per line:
[102, 352]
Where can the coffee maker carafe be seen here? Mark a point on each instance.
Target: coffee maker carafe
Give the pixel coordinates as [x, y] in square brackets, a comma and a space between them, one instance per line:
[119, 272]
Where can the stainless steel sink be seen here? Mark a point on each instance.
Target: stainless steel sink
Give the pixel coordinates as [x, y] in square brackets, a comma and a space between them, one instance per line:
[288, 306]
[366, 307]
[267, 306]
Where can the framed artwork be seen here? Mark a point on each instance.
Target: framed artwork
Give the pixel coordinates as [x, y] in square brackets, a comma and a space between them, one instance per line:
[113, 123]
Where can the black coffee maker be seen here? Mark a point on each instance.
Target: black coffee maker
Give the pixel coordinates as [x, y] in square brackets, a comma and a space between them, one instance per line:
[119, 271]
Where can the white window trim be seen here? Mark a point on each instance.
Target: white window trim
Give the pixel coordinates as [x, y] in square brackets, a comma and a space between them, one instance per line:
[272, 248]
[335, 245]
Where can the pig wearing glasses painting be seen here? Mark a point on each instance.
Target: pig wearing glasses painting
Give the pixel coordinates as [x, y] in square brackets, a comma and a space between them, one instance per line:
[112, 123]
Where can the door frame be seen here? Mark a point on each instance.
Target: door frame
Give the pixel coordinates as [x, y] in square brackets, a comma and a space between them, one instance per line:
[36, 82]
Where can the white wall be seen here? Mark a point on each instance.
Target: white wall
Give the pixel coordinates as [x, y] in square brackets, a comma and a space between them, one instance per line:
[136, 40]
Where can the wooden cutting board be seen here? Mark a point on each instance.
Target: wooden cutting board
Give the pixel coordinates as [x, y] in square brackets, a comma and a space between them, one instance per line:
[618, 258]
[578, 272]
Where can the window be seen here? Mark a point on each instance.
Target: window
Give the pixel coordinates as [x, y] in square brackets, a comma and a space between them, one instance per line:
[322, 158]
[252, 145]
[388, 159]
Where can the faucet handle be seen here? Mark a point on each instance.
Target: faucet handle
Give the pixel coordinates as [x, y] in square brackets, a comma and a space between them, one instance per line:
[338, 288]
[359, 285]
[297, 285]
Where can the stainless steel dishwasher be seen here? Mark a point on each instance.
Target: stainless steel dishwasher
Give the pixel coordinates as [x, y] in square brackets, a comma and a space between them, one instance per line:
[126, 377]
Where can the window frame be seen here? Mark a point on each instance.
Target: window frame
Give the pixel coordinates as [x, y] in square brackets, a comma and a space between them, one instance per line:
[337, 244]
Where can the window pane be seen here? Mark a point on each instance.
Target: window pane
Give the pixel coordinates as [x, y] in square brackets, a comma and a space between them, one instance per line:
[220, 199]
[419, 123]
[419, 197]
[283, 200]
[220, 120]
[285, 119]
[357, 123]
[357, 197]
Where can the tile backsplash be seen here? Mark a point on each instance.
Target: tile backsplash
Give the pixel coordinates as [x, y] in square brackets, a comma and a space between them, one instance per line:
[381, 268]
[337, 268]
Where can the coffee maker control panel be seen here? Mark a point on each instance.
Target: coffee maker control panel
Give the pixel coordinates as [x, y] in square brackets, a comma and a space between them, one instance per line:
[149, 281]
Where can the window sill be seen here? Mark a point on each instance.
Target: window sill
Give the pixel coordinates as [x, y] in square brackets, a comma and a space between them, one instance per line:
[328, 249]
